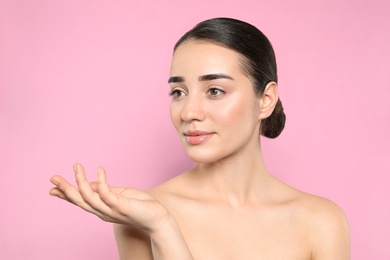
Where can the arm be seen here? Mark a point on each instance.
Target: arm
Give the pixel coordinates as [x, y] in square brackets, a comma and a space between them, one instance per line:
[130, 208]
[137, 244]
[132, 243]
[168, 243]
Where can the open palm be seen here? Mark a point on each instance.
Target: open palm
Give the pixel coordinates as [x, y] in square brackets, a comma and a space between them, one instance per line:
[118, 205]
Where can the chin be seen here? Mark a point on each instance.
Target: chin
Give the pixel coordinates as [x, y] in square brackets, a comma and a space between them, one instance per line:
[204, 155]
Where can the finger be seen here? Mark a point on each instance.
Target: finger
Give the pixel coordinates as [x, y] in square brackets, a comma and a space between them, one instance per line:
[88, 195]
[56, 192]
[58, 180]
[62, 185]
[110, 198]
[123, 199]
[82, 183]
[94, 186]
[63, 188]
[68, 192]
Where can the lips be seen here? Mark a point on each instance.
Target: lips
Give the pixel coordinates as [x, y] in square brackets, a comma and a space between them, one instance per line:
[197, 137]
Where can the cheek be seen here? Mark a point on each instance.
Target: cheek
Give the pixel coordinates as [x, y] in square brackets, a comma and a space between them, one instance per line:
[238, 112]
[175, 114]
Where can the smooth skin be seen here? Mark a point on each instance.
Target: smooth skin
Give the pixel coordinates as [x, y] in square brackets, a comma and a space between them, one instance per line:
[228, 206]
[128, 207]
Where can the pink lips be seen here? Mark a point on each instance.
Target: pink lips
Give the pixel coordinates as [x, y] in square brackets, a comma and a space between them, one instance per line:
[197, 137]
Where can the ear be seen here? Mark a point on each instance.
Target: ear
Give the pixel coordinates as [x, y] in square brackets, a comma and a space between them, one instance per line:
[268, 99]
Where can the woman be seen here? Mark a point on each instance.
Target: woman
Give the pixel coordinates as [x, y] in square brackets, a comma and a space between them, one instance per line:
[224, 92]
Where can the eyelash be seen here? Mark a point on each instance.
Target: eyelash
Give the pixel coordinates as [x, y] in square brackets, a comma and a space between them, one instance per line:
[221, 92]
[175, 92]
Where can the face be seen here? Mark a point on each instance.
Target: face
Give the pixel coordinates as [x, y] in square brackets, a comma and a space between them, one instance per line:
[214, 108]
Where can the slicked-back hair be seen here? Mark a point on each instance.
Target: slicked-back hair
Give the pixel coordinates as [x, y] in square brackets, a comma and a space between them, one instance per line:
[258, 59]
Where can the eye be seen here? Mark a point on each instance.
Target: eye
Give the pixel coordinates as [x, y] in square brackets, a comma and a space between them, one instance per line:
[176, 93]
[215, 92]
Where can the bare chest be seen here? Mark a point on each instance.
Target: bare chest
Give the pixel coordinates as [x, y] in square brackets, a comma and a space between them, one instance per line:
[244, 234]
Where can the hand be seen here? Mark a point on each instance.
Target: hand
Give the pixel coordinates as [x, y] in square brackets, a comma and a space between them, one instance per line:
[118, 205]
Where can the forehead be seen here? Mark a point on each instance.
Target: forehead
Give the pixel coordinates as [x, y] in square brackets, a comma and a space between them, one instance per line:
[202, 57]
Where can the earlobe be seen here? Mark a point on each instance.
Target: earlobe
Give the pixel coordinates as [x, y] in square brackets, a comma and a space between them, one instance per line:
[268, 100]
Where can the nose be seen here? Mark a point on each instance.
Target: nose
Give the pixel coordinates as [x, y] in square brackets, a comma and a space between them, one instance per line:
[192, 109]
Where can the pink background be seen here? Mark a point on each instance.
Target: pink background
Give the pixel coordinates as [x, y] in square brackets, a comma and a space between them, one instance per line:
[85, 81]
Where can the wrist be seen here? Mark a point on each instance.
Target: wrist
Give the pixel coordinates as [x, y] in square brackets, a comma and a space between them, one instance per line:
[166, 227]
[167, 241]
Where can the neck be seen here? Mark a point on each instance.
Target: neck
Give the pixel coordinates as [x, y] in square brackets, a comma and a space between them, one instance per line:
[237, 180]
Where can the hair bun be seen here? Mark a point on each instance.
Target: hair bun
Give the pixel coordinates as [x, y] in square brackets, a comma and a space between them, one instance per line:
[272, 126]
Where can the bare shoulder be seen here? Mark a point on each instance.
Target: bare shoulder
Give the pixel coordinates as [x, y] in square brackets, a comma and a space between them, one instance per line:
[326, 225]
[316, 209]
[175, 187]
[330, 230]
[319, 209]
[132, 243]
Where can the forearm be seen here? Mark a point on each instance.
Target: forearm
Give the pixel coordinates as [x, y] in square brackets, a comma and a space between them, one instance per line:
[168, 243]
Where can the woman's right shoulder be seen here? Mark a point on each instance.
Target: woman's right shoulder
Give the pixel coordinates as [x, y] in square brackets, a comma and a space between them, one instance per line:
[175, 187]
[132, 243]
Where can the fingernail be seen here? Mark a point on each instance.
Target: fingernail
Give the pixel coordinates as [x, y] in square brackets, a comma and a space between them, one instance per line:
[54, 182]
[53, 193]
[75, 168]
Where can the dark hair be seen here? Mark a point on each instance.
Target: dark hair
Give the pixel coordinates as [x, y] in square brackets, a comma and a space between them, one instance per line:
[258, 59]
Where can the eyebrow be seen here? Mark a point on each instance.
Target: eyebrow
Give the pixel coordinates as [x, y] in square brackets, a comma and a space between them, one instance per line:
[178, 79]
[175, 79]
